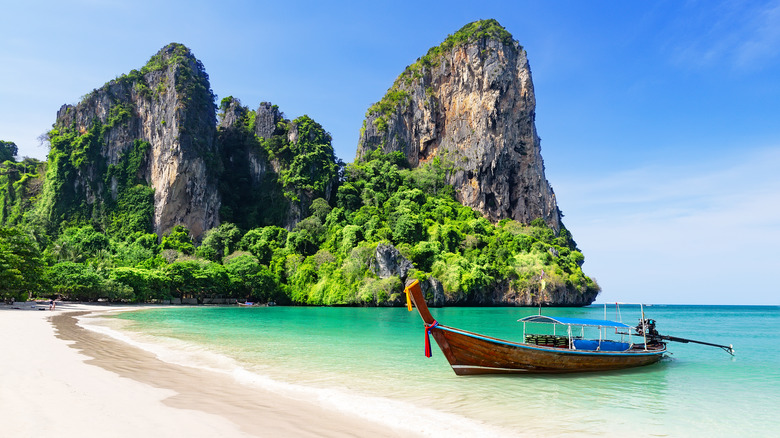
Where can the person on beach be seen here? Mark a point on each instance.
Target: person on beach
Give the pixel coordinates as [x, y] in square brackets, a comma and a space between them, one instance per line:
[52, 304]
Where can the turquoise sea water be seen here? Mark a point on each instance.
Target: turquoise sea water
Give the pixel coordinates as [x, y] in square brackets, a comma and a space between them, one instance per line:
[370, 362]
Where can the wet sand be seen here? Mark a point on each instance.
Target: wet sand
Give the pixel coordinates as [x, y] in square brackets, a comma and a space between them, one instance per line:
[61, 380]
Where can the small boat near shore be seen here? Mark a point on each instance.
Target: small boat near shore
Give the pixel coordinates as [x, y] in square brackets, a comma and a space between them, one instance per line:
[253, 304]
[565, 350]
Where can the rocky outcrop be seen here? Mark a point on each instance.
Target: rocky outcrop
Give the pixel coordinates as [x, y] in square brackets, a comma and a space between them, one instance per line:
[470, 102]
[169, 106]
[551, 295]
[250, 193]
[273, 167]
[506, 294]
[266, 119]
[388, 262]
[433, 291]
[239, 145]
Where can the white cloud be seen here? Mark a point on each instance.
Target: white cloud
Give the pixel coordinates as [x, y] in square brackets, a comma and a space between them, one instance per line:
[743, 35]
[699, 233]
[763, 40]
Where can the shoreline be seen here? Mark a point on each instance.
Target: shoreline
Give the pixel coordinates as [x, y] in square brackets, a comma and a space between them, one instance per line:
[61, 379]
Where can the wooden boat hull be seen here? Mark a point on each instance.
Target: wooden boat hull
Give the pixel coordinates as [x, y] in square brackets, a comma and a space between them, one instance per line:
[470, 353]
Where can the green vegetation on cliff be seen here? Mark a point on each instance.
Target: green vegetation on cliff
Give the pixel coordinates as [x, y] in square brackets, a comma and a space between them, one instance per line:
[477, 30]
[112, 197]
[20, 184]
[8, 151]
[96, 164]
[327, 258]
[396, 96]
[247, 201]
[380, 201]
[263, 177]
[297, 225]
[191, 78]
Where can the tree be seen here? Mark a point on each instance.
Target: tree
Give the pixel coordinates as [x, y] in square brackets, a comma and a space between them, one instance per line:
[250, 279]
[263, 242]
[21, 264]
[212, 279]
[313, 225]
[178, 239]
[241, 268]
[351, 236]
[75, 281]
[302, 242]
[348, 197]
[8, 151]
[220, 242]
[182, 277]
[320, 208]
[424, 254]
[449, 237]
[313, 165]
[78, 244]
[144, 284]
[408, 228]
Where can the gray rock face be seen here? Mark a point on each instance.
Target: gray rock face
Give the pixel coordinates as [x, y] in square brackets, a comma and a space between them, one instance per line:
[505, 294]
[244, 142]
[266, 119]
[258, 163]
[232, 115]
[433, 291]
[388, 262]
[473, 107]
[534, 295]
[171, 107]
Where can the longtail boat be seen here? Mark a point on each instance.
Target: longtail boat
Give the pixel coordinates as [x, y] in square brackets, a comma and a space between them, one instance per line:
[472, 353]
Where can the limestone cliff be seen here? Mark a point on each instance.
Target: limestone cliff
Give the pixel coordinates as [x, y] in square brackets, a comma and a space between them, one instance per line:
[470, 102]
[146, 136]
[274, 167]
[249, 187]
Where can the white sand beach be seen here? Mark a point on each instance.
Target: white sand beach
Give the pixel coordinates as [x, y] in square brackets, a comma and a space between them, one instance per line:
[60, 380]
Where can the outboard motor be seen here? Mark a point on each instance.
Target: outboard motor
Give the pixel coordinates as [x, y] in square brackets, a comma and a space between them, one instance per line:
[649, 331]
[647, 328]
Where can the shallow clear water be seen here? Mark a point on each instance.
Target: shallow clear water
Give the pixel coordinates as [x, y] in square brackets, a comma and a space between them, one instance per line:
[370, 361]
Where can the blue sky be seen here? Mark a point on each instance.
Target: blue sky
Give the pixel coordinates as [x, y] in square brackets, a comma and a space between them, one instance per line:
[660, 121]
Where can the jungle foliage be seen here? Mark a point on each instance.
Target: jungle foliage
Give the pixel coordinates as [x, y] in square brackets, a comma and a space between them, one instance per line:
[303, 231]
[324, 260]
[122, 202]
[298, 160]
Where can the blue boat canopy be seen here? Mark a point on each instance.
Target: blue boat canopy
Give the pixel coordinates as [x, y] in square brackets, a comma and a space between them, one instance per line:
[573, 321]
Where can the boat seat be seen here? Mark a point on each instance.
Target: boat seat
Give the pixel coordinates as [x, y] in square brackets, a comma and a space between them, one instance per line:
[547, 340]
[593, 345]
